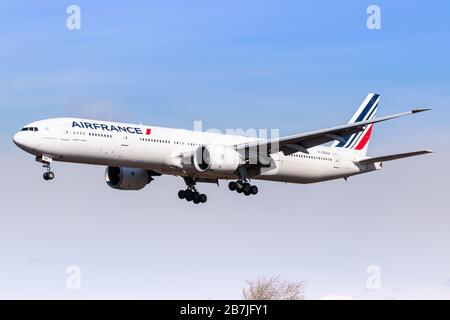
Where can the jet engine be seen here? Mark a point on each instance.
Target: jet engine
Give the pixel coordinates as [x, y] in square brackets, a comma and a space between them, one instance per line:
[216, 158]
[127, 178]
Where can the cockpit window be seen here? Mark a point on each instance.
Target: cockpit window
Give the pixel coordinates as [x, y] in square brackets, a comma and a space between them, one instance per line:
[29, 129]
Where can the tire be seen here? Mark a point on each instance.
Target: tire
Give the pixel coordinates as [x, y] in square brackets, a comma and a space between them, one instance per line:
[232, 185]
[254, 189]
[182, 194]
[247, 187]
[196, 197]
[239, 190]
[50, 175]
[189, 195]
[247, 192]
[203, 198]
[45, 176]
[239, 186]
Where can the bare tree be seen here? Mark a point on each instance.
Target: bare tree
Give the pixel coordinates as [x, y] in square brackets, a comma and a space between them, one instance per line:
[273, 289]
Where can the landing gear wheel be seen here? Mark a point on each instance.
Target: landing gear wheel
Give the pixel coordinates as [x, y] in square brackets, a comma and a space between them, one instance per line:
[189, 195]
[48, 175]
[239, 186]
[247, 189]
[247, 193]
[196, 197]
[253, 189]
[232, 185]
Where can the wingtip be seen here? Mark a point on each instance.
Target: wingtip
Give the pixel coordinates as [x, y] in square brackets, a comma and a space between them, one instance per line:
[420, 110]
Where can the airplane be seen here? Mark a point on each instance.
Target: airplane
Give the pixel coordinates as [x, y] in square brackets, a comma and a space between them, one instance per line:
[135, 154]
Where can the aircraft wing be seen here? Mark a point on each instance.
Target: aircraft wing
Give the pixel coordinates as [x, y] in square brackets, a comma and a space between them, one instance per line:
[394, 157]
[303, 141]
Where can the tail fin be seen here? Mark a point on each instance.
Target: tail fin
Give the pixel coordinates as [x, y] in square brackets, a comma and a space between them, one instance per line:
[360, 141]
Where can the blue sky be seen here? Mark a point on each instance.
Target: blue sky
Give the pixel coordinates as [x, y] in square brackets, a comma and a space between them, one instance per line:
[291, 65]
[230, 63]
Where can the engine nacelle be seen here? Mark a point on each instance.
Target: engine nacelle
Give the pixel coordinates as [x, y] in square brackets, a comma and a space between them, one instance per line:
[216, 158]
[127, 178]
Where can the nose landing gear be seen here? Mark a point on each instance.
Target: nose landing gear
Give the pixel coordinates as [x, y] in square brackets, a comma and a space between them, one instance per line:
[48, 174]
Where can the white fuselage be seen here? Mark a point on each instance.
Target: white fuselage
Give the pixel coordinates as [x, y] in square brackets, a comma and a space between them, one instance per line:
[162, 149]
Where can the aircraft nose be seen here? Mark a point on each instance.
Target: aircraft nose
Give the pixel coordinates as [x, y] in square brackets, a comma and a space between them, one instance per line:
[18, 139]
[23, 141]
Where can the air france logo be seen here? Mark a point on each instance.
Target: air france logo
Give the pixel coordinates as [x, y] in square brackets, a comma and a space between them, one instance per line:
[109, 128]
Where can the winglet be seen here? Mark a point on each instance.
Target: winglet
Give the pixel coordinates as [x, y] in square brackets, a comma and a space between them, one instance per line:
[419, 110]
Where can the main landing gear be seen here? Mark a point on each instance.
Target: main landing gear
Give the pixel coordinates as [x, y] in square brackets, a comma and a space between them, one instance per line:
[243, 187]
[191, 193]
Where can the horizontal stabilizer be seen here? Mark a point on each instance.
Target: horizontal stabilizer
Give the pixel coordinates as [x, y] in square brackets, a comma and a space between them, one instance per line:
[394, 157]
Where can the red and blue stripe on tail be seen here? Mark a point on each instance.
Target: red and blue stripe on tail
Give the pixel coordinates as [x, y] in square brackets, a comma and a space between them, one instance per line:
[359, 141]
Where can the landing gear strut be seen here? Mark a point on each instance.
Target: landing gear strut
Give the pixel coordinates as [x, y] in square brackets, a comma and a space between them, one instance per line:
[48, 174]
[191, 193]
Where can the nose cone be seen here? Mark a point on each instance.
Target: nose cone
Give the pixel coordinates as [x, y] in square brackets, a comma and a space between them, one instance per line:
[18, 139]
[24, 141]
